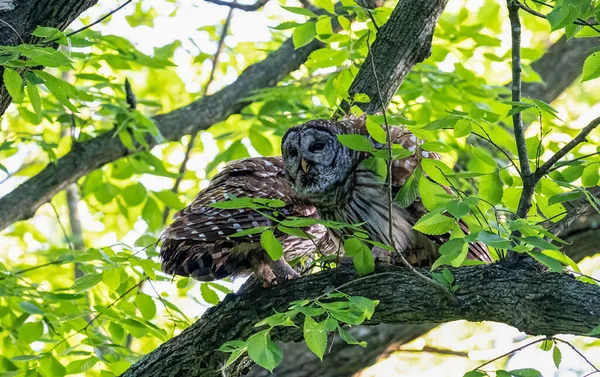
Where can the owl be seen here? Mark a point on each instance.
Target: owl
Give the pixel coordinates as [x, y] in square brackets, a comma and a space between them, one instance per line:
[199, 241]
[333, 178]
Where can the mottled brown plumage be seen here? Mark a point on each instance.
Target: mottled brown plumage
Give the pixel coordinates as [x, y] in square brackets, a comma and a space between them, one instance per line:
[335, 179]
[198, 242]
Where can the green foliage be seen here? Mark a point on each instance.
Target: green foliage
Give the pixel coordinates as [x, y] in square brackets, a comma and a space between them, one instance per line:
[322, 316]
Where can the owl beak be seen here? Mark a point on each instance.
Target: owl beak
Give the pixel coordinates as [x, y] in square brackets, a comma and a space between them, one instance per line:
[305, 166]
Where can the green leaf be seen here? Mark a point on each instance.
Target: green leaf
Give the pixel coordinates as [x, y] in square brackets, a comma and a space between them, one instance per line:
[14, 84]
[457, 208]
[590, 176]
[564, 197]
[490, 188]
[452, 253]
[556, 356]
[260, 143]
[35, 99]
[301, 11]
[595, 331]
[484, 157]
[348, 338]
[146, 305]
[435, 146]
[540, 243]
[447, 122]
[152, 214]
[315, 336]
[493, 240]
[474, 373]
[86, 282]
[45, 56]
[434, 223]
[547, 345]
[81, 366]
[271, 245]
[170, 199]
[462, 128]
[377, 132]
[502, 373]
[61, 89]
[565, 12]
[263, 351]
[356, 142]
[432, 194]
[409, 190]
[51, 367]
[547, 261]
[134, 194]
[304, 34]
[31, 308]
[208, 294]
[29, 332]
[361, 255]
[436, 170]
[591, 67]
[526, 372]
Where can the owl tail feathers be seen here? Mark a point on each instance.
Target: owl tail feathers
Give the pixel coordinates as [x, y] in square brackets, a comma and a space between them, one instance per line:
[185, 258]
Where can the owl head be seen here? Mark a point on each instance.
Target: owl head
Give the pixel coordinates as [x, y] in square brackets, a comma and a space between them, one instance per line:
[317, 165]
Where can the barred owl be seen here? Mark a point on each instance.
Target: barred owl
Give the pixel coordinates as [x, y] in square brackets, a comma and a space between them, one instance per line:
[198, 242]
[331, 176]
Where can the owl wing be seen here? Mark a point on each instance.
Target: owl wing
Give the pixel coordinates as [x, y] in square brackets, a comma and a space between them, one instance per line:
[198, 242]
[402, 170]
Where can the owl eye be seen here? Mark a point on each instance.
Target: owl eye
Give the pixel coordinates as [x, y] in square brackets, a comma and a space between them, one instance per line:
[316, 146]
[292, 152]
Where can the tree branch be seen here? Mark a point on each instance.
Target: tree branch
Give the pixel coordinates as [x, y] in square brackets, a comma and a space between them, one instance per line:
[534, 302]
[519, 130]
[245, 7]
[580, 138]
[398, 48]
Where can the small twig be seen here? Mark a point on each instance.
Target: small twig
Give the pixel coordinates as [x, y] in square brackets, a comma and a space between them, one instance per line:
[504, 152]
[511, 352]
[560, 165]
[429, 349]
[211, 77]
[245, 7]
[13, 29]
[97, 21]
[596, 370]
[422, 277]
[547, 166]
[64, 230]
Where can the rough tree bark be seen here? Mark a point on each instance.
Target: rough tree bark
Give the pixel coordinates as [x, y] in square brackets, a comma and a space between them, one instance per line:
[21, 17]
[344, 360]
[538, 303]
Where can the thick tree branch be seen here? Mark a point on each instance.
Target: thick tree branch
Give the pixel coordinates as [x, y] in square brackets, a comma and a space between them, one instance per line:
[20, 18]
[398, 48]
[537, 303]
